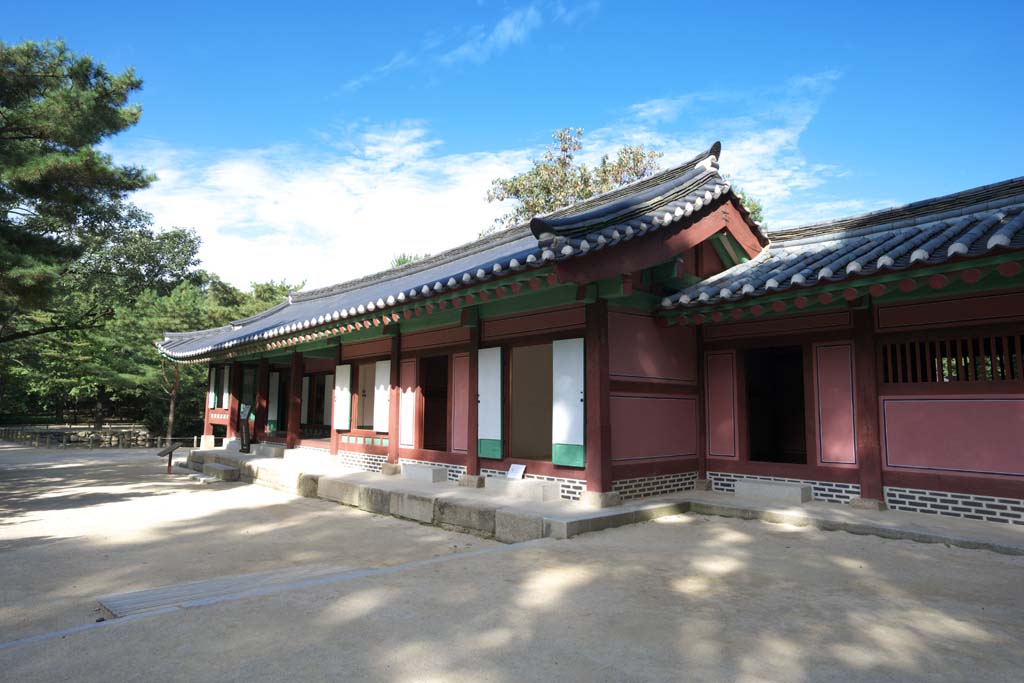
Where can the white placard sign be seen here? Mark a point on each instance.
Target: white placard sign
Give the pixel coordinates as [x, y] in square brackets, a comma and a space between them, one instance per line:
[515, 471]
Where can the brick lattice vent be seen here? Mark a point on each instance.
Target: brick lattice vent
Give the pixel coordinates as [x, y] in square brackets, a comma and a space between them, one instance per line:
[363, 461]
[645, 487]
[826, 491]
[964, 505]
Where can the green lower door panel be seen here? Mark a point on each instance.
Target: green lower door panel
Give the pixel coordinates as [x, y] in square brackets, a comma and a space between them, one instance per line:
[568, 455]
[489, 448]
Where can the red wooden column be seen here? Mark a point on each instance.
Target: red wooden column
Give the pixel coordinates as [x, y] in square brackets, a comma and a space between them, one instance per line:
[335, 440]
[869, 451]
[294, 401]
[394, 397]
[702, 426]
[207, 425]
[598, 470]
[472, 457]
[259, 427]
[235, 389]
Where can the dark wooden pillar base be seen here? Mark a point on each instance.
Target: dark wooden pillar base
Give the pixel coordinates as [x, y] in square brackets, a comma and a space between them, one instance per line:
[394, 394]
[235, 387]
[259, 428]
[294, 429]
[869, 452]
[598, 468]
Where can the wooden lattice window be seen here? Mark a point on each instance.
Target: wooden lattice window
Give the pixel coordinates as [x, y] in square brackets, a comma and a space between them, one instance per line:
[953, 359]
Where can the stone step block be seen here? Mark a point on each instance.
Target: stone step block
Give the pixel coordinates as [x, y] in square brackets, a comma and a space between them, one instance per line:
[526, 489]
[412, 506]
[417, 472]
[265, 450]
[222, 472]
[516, 526]
[469, 515]
[774, 491]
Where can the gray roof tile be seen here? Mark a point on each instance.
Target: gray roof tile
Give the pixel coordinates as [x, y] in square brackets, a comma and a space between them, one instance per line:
[970, 223]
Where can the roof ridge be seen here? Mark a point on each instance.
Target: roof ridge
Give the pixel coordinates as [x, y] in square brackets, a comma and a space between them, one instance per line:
[607, 199]
[903, 215]
[465, 249]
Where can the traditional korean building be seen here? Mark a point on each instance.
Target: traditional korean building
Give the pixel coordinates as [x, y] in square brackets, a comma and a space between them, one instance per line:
[653, 336]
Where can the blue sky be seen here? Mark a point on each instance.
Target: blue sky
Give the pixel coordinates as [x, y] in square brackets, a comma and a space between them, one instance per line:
[313, 141]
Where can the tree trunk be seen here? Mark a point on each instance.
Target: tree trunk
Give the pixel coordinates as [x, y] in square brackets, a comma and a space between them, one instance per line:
[170, 409]
[97, 418]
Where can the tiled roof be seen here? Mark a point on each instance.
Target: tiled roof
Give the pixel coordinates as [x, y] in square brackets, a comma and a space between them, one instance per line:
[630, 212]
[672, 196]
[966, 224]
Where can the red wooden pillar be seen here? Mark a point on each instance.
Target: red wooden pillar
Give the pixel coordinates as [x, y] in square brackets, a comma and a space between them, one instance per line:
[235, 389]
[473, 399]
[598, 470]
[207, 425]
[294, 401]
[259, 427]
[335, 440]
[869, 451]
[394, 397]
[702, 427]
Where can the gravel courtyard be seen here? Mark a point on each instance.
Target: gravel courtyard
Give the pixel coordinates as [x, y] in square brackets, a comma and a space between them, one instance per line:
[683, 598]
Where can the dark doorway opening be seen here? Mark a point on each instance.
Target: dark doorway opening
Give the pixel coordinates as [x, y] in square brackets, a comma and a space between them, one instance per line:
[434, 387]
[775, 404]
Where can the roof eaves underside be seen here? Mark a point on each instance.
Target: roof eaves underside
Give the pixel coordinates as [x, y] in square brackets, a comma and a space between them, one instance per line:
[953, 232]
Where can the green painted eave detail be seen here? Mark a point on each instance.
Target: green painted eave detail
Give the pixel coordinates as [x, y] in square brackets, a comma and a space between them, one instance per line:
[723, 254]
[990, 281]
[568, 455]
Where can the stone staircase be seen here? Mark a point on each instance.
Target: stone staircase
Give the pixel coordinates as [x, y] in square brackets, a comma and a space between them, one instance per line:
[295, 470]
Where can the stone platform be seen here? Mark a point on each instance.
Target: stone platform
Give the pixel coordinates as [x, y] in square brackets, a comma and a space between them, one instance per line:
[505, 515]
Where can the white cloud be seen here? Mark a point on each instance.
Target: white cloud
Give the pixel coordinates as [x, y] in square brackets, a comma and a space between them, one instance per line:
[572, 15]
[288, 213]
[399, 61]
[512, 29]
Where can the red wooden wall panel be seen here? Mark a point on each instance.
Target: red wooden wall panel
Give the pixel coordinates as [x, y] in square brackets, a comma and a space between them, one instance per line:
[720, 397]
[653, 427]
[834, 391]
[955, 434]
[459, 402]
[640, 349]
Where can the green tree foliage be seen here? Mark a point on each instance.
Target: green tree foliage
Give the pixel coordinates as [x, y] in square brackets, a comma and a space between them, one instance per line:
[557, 179]
[402, 259]
[115, 369]
[753, 207]
[63, 219]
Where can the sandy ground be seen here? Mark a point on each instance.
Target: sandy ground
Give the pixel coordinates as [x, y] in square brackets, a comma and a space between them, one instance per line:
[684, 598]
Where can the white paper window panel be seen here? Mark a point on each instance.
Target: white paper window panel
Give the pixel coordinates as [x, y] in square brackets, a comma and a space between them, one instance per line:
[343, 397]
[489, 393]
[382, 396]
[225, 390]
[567, 406]
[211, 395]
